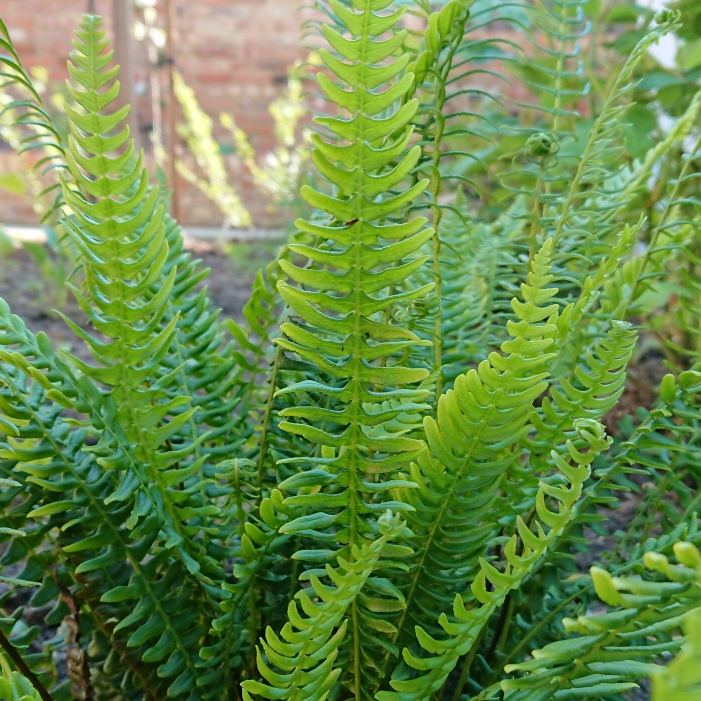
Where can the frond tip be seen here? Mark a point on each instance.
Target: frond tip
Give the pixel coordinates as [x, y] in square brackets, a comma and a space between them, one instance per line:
[361, 264]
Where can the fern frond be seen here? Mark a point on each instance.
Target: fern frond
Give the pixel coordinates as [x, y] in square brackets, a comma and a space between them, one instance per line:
[473, 439]
[42, 133]
[673, 230]
[461, 632]
[118, 227]
[341, 328]
[615, 648]
[678, 229]
[68, 487]
[442, 39]
[353, 338]
[307, 657]
[581, 200]
[203, 357]
[595, 388]
[554, 71]
[600, 146]
[681, 678]
[661, 451]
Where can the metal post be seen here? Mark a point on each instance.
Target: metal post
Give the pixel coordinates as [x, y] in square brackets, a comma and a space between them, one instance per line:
[91, 7]
[122, 23]
[172, 107]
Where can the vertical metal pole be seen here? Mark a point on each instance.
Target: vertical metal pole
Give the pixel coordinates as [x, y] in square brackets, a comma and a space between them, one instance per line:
[122, 23]
[91, 7]
[172, 107]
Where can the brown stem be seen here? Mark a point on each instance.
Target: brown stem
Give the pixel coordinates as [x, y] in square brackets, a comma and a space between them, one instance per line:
[69, 600]
[124, 653]
[23, 668]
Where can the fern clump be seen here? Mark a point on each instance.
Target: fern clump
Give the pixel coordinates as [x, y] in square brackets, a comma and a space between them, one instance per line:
[384, 482]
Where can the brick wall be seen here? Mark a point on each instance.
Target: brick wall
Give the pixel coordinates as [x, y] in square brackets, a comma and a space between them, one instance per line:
[234, 53]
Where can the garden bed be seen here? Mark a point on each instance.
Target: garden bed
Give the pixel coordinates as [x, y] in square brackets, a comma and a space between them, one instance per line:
[233, 269]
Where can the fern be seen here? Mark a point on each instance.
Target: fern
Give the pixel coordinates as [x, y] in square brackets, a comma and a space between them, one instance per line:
[600, 149]
[355, 470]
[473, 438]
[617, 647]
[117, 248]
[377, 484]
[680, 678]
[645, 452]
[464, 629]
[43, 133]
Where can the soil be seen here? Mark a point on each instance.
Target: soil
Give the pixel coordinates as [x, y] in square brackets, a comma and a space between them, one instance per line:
[28, 292]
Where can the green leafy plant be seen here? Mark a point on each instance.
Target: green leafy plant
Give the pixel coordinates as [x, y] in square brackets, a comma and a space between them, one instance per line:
[680, 679]
[382, 483]
[282, 169]
[197, 132]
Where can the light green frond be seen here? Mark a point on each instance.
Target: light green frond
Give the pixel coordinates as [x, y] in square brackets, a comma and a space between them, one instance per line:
[491, 585]
[15, 686]
[473, 443]
[680, 680]
[342, 344]
[615, 649]
[594, 388]
[306, 650]
[340, 306]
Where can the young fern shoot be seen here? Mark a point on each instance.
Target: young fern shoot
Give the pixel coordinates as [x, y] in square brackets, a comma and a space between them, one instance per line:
[308, 656]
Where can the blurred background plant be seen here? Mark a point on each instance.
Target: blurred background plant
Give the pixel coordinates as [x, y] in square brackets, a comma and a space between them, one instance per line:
[282, 169]
[277, 173]
[197, 133]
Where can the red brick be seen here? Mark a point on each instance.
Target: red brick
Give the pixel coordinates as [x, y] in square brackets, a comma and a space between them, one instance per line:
[232, 52]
